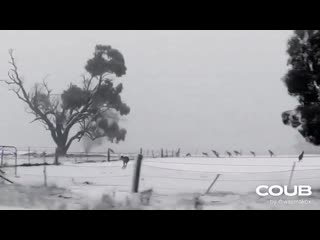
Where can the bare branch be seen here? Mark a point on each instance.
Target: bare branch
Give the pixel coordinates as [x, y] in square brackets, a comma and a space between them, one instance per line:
[45, 85]
[22, 94]
[86, 82]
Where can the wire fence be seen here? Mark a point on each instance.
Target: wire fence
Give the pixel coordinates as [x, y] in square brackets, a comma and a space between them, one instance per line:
[31, 155]
[173, 174]
[34, 156]
[162, 169]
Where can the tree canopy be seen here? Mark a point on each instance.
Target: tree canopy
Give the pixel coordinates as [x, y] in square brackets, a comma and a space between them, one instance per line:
[303, 81]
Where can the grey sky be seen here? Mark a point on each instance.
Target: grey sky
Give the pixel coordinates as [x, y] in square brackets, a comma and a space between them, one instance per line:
[196, 90]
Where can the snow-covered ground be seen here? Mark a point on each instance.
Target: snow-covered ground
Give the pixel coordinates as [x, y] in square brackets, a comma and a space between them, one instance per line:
[177, 183]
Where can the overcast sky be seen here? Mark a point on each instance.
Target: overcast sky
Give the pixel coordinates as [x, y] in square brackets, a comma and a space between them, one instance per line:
[198, 90]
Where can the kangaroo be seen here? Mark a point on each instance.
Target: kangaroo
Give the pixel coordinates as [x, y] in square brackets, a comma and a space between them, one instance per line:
[236, 153]
[229, 154]
[271, 153]
[125, 160]
[215, 153]
[178, 153]
[188, 155]
[253, 153]
[205, 154]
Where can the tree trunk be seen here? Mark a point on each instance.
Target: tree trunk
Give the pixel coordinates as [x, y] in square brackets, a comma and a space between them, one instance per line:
[60, 152]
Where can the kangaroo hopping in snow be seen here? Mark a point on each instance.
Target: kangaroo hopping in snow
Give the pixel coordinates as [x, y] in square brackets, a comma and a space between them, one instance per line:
[229, 154]
[215, 153]
[205, 154]
[271, 153]
[253, 153]
[125, 160]
[178, 153]
[237, 153]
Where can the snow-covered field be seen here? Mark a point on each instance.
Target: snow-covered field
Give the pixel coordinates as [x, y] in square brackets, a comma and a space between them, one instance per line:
[177, 183]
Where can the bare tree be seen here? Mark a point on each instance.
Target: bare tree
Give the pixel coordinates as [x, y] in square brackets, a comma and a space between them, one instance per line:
[92, 109]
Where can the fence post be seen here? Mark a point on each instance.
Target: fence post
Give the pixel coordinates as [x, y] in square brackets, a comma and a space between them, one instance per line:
[29, 155]
[44, 169]
[136, 175]
[16, 164]
[108, 154]
[6, 179]
[152, 154]
[291, 175]
[141, 151]
[214, 181]
[161, 152]
[1, 157]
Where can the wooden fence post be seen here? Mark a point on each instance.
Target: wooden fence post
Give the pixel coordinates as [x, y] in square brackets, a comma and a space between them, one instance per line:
[291, 175]
[108, 154]
[6, 179]
[161, 152]
[136, 175]
[2, 157]
[29, 155]
[214, 181]
[16, 164]
[44, 169]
